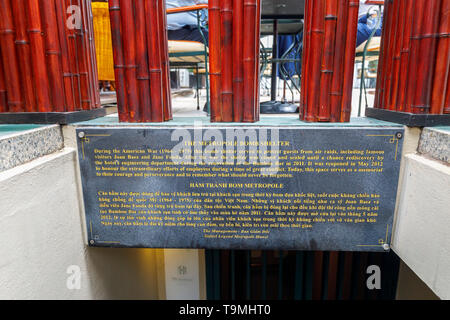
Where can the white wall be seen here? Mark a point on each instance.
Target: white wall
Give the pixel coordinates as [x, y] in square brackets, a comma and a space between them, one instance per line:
[422, 233]
[41, 235]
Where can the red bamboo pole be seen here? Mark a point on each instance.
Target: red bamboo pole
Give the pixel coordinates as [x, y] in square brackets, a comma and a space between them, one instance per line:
[83, 61]
[238, 38]
[85, 56]
[404, 55]
[143, 76]
[249, 63]
[379, 92]
[74, 61]
[71, 39]
[92, 56]
[387, 63]
[256, 109]
[427, 54]
[119, 63]
[350, 46]
[306, 58]
[168, 111]
[226, 30]
[447, 99]
[23, 54]
[3, 93]
[65, 63]
[156, 72]
[53, 53]
[338, 67]
[89, 49]
[393, 23]
[331, 11]
[166, 65]
[10, 63]
[414, 61]
[129, 36]
[38, 56]
[317, 42]
[442, 68]
[215, 59]
[398, 35]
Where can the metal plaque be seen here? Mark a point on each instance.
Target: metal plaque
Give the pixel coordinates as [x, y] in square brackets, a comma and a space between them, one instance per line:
[304, 188]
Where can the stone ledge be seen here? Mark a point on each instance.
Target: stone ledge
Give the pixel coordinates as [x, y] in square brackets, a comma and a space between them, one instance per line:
[20, 144]
[435, 143]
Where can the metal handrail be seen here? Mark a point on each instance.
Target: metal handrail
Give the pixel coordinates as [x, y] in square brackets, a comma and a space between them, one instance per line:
[187, 8]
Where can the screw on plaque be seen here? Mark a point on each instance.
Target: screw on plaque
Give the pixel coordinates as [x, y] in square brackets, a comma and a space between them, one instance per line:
[92, 242]
[386, 247]
[399, 135]
[81, 134]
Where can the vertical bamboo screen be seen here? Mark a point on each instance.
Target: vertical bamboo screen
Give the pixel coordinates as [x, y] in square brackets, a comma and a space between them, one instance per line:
[234, 29]
[414, 64]
[46, 66]
[141, 60]
[329, 44]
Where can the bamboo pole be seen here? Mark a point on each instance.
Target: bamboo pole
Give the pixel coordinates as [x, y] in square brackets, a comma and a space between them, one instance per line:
[119, 63]
[166, 65]
[306, 59]
[238, 38]
[427, 55]
[142, 59]
[23, 54]
[226, 30]
[143, 76]
[350, 46]
[83, 60]
[73, 61]
[447, 99]
[38, 56]
[256, 109]
[338, 67]
[156, 76]
[164, 59]
[388, 59]
[404, 55]
[397, 48]
[442, 68]
[215, 60]
[331, 11]
[250, 13]
[389, 62]
[379, 92]
[317, 42]
[414, 53]
[53, 53]
[93, 70]
[10, 63]
[65, 63]
[3, 93]
[129, 36]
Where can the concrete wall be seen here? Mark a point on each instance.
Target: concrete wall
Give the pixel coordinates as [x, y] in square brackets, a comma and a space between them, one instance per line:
[422, 232]
[42, 235]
